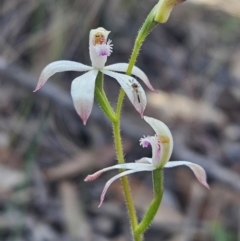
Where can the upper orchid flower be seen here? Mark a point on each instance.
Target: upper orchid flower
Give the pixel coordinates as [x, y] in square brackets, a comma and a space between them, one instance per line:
[162, 146]
[82, 89]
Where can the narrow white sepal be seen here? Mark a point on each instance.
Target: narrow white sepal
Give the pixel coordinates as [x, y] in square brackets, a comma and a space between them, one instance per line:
[131, 166]
[136, 96]
[122, 67]
[110, 181]
[82, 91]
[198, 171]
[59, 66]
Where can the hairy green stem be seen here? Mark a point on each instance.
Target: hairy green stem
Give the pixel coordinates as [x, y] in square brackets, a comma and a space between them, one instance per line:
[147, 27]
[153, 208]
[102, 98]
[119, 150]
[125, 183]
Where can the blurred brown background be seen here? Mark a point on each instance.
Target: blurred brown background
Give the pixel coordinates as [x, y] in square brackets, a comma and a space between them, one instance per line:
[45, 151]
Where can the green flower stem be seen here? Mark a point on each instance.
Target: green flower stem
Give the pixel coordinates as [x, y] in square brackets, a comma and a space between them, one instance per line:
[119, 104]
[102, 98]
[147, 27]
[125, 183]
[153, 208]
[120, 158]
[115, 119]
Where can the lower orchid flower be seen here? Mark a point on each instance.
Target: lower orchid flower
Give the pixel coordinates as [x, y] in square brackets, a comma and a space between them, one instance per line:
[162, 146]
[82, 89]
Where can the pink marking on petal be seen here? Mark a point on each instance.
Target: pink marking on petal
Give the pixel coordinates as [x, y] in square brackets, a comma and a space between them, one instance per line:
[150, 87]
[102, 196]
[201, 176]
[198, 171]
[144, 142]
[156, 147]
[39, 84]
[93, 176]
[104, 49]
[84, 121]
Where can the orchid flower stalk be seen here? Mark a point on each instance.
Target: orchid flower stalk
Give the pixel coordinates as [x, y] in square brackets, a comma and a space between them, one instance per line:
[90, 84]
[83, 87]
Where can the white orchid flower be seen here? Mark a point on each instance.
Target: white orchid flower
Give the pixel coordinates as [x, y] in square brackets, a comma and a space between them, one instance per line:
[82, 89]
[162, 146]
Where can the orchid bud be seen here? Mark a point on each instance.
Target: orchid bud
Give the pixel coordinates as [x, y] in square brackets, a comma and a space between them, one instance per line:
[164, 8]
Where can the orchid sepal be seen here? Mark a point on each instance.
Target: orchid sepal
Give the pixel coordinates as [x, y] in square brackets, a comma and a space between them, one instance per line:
[59, 66]
[131, 168]
[132, 88]
[198, 171]
[82, 92]
[122, 67]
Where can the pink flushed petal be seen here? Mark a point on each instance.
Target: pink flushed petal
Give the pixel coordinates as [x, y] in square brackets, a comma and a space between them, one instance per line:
[122, 67]
[144, 142]
[59, 66]
[156, 148]
[82, 92]
[40, 84]
[109, 182]
[133, 167]
[198, 171]
[132, 88]
[93, 176]
[130, 166]
[104, 49]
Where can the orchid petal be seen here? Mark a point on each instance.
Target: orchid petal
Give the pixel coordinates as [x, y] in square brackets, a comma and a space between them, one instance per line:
[110, 181]
[198, 171]
[136, 95]
[146, 160]
[156, 147]
[99, 48]
[104, 49]
[122, 67]
[131, 166]
[144, 142]
[165, 139]
[59, 66]
[82, 91]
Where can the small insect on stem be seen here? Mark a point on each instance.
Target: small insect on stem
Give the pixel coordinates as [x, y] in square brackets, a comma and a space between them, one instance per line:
[135, 88]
